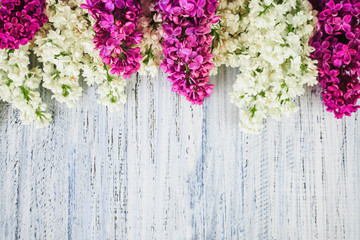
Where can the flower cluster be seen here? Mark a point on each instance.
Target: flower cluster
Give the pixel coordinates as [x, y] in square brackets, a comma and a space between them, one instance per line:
[65, 48]
[227, 33]
[19, 21]
[337, 45]
[19, 85]
[274, 58]
[150, 25]
[116, 34]
[268, 40]
[187, 46]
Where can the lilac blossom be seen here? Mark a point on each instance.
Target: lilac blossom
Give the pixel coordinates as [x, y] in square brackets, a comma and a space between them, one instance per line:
[187, 43]
[337, 46]
[19, 21]
[116, 34]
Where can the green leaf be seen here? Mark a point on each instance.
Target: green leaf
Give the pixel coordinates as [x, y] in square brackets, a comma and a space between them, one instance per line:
[39, 113]
[9, 82]
[253, 110]
[26, 93]
[66, 89]
[290, 27]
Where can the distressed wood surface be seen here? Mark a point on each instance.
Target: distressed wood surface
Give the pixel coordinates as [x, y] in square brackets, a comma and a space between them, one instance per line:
[163, 169]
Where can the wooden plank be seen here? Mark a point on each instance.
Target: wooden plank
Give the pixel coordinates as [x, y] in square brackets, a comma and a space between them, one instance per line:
[162, 169]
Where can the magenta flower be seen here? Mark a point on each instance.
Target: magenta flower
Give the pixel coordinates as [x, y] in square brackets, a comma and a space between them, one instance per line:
[171, 34]
[352, 8]
[110, 4]
[321, 48]
[187, 44]
[182, 51]
[342, 23]
[337, 46]
[346, 54]
[19, 21]
[196, 64]
[333, 8]
[116, 34]
[185, 7]
[107, 21]
[199, 8]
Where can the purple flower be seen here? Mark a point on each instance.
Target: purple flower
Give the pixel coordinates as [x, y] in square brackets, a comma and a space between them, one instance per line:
[337, 46]
[346, 53]
[196, 64]
[185, 7]
[182, 50]
[342, 23]
[107, 21]
[321, 48]
[116, 34]
[19, 21]
[200, 8]
[110, 4]
[187, 46]
[171, 33]
[165, 6]
[333, 8]
[354, 9]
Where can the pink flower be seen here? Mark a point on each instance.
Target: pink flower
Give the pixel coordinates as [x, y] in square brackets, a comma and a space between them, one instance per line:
[116, 34]
[200, 8]
[110, 4]
[187, 46]
[19, 21]
[171, 34]
[185, 7]
[198, 60]
[352, 8]
[337, 46]
[106, 21]
[342, 23]
[182, 51]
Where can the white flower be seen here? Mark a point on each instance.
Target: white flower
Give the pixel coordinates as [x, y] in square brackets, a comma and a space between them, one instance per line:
[150, 25]
[66, 49]
[270, 45]
[112, 93]
[20, 86]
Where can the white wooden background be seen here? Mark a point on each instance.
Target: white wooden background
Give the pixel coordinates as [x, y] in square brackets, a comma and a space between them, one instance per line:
[163, 169]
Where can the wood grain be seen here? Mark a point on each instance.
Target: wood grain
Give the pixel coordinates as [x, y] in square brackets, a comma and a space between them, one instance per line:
[163, 169]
